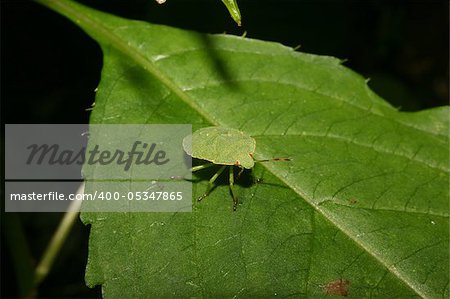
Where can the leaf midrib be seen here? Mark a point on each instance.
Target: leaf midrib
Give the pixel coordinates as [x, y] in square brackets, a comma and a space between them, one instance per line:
[69, 9]
[342, 229]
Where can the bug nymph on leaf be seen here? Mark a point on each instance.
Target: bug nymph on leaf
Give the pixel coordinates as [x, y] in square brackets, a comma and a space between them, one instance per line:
[226, 147]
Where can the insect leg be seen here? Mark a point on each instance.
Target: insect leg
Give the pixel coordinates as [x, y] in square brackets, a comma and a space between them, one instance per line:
[211, 182]
[241, 170]
[200, 167]
[235, 200]
[193, 169]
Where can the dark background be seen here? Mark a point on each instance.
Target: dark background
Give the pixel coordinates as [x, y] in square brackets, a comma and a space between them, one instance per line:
[50, 69]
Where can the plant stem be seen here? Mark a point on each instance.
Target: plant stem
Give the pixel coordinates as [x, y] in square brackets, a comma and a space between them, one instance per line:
[58, 239]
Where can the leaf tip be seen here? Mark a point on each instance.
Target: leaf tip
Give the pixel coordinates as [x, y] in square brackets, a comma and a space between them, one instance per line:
[233, 9]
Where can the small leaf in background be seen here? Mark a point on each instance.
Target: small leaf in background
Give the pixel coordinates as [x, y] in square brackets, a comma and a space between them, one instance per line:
[233, 8]
[363, 199]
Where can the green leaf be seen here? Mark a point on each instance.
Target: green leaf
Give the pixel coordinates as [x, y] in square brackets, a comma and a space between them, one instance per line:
[365, 197]
[233, 9]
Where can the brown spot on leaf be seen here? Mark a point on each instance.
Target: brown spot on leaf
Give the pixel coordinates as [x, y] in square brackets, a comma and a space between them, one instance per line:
[337, 287]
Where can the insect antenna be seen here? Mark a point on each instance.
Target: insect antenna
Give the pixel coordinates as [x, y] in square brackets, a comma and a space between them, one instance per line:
[274, 159]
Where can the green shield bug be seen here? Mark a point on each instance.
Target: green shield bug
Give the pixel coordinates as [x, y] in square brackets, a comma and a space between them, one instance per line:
[222, 146]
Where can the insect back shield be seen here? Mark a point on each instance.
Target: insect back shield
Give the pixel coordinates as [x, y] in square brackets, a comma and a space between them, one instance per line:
[131, 167]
